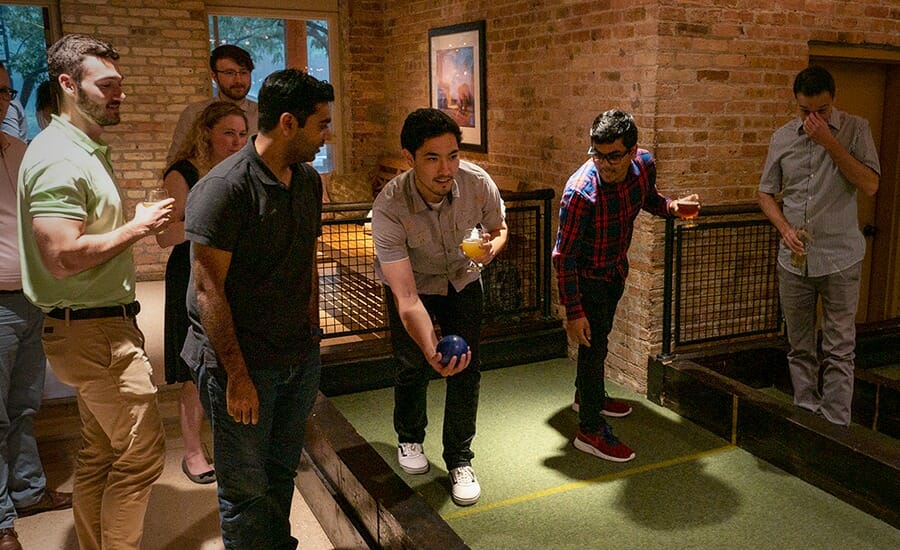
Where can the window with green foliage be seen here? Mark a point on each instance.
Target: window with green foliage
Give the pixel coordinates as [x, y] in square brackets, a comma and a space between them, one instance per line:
[275, 44]
[24, 35]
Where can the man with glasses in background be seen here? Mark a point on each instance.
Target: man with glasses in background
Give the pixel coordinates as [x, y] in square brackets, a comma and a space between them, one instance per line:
[231, 68]
[596, 220]
[14, 122]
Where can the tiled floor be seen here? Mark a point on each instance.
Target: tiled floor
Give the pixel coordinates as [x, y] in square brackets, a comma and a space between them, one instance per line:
[181, 515]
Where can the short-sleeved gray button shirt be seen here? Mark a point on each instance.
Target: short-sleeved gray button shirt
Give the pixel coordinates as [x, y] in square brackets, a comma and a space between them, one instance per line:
[815, 191]
[405, 226]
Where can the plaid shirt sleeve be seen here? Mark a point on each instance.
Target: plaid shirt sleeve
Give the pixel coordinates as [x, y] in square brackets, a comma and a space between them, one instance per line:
[574, 216]
[654, 202]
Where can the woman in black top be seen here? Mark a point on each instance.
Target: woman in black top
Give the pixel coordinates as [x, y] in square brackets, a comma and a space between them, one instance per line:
[219, 131]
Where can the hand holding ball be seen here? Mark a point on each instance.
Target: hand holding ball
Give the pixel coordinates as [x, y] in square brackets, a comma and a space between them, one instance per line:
[451, 346]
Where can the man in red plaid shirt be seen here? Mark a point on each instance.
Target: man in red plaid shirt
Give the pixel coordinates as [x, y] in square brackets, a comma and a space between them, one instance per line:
[596, 220]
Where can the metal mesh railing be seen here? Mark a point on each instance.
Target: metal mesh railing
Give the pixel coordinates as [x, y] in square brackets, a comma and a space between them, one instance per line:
[721, 280]
[351, 297]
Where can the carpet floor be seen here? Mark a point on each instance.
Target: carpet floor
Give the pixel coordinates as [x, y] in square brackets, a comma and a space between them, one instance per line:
[686, 488]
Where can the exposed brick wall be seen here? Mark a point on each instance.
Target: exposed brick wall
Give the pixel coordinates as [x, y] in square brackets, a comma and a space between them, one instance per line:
[364, 98]
[707, 83]
[164, 51]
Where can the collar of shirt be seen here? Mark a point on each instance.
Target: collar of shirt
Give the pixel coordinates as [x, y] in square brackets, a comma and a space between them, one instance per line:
[243, 104]
[261, 170]
[417, 202]
[81, 139]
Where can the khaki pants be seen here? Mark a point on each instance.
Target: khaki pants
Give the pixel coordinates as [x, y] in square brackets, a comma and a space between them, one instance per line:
[123, 443]
[830, 395]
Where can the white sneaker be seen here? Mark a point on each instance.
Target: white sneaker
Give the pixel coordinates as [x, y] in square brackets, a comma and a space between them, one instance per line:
[412, 458]
[464, 488]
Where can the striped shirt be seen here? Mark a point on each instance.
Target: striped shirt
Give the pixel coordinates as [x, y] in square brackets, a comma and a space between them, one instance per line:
[816, 194]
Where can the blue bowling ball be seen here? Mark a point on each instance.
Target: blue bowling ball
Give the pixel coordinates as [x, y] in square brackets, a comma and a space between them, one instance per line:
[451, 346]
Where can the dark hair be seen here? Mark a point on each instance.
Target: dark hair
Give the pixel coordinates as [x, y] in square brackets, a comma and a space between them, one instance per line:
[68, 53]
[291, 91]
[612, 125]
[45, 98]
[424, 124]
[232, 52]
[813, 80]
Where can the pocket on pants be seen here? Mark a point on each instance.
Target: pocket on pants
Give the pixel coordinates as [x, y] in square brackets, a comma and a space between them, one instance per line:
[69, 348]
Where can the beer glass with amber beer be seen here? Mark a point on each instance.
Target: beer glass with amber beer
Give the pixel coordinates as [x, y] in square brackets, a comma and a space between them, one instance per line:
[689, 208]
[472, 248]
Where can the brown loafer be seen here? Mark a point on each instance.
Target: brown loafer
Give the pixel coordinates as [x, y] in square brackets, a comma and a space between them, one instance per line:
[9, 539]
[50, 500]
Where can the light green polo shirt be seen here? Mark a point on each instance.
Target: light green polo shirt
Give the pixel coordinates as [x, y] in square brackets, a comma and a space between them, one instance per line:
[66, 174]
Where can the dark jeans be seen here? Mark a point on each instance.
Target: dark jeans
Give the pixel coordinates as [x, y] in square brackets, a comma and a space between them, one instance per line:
[256, 464]
[599, 300]
[457, 313]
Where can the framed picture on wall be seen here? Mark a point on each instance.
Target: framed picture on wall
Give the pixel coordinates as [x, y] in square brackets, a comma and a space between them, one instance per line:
[457, 79]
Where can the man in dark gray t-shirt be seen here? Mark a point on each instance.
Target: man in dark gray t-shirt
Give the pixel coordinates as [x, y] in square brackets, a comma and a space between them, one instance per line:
[253, 222]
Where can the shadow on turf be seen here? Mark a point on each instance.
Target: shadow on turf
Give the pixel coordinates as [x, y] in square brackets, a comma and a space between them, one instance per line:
[433, 486]
[678, 496]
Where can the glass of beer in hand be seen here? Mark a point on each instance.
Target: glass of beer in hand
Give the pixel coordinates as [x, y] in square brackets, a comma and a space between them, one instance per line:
[689, 208]
[799, 260]
[471, 247]
[155, 194]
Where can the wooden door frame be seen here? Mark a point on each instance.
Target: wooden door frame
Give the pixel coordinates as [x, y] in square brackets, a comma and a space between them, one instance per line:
[885, 251]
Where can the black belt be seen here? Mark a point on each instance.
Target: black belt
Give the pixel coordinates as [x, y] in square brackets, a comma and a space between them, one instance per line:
[11, 291]
[124, 310]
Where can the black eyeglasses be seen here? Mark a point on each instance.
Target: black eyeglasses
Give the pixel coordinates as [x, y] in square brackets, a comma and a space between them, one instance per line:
[232, 74]
[8, 93]
[611, 158]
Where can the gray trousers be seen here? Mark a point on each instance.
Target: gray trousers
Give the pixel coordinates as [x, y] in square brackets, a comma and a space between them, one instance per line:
[839, 293]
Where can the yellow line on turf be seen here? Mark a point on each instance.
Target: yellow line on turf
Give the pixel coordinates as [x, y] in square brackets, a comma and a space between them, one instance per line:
[579, 484]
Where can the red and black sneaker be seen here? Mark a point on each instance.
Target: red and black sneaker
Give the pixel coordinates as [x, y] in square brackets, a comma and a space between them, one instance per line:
[611, 407]
[603, 444]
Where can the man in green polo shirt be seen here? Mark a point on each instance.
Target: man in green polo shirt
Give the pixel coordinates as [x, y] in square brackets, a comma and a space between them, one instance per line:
[77, 266]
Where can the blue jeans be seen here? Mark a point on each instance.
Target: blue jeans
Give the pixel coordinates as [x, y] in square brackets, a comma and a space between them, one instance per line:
[22, 366]
[599, 300]
[457, 313]
[256, 464]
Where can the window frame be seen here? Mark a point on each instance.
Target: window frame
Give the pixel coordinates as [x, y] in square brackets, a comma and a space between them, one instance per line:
[326, 10]
[55, 29]
[52, 33]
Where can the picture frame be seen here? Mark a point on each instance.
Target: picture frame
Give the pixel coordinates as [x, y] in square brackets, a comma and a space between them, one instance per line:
[457, 79]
